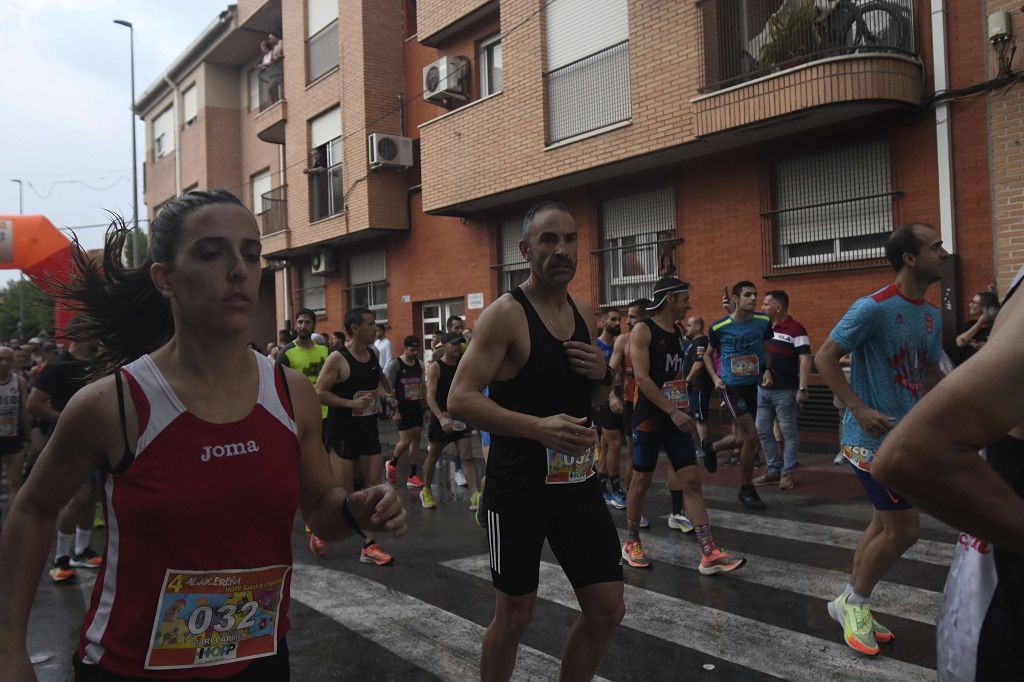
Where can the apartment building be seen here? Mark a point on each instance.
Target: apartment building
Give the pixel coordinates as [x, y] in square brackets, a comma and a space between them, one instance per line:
[391, 148]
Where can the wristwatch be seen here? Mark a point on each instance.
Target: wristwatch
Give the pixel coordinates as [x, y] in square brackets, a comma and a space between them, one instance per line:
[803, 389]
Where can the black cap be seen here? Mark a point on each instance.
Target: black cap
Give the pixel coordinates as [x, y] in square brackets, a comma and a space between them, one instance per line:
[452, 337]
[411, 342]
[665, 286]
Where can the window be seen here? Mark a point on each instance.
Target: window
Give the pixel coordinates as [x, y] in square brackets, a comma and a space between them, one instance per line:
[189, 105]
[254, 90]
[514, 270]
[490, 66]
[638, 233]
[368, 287]
[311, 290]
[163, 133]
[587, 76]
[322, 32]
[410, 18]
[832, 206]
[260, 186]
[325, 191]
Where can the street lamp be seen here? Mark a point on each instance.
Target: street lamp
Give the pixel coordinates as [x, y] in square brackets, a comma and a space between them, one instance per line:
[135, 164]
[21, 196]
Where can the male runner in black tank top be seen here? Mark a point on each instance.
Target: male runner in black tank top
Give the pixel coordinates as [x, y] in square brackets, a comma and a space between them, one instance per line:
[349, 385]
[443, 428]
[659, 422]
[405, 375]
[535, 350]
[931, 457]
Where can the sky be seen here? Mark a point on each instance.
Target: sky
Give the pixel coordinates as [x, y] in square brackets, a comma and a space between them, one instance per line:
[64, 121]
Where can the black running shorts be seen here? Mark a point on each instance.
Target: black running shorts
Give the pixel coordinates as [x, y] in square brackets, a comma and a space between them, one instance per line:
[740, 400]
[12, 445]
[435, 434]
[358, 438]
[572, 517]
[410, 415]
[606, 419]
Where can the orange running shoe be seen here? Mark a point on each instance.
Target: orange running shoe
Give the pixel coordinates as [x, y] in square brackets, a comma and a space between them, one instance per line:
[317, 546]
[719, 562]
[62, 570]
[87, 559]
[633, 554]
[375, 555]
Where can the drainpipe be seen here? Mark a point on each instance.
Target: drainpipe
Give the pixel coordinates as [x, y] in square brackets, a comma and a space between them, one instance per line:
[177, 135]
[944, 149]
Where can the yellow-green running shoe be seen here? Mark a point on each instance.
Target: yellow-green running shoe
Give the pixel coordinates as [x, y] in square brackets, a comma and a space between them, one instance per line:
[427, 499]
[857, 624]
[882, 633]
[474, 501]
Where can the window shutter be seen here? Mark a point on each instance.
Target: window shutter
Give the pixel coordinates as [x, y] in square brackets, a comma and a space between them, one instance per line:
[325, 127]
[578, 28]
[190, 104]
[319, 13]
[367, 267]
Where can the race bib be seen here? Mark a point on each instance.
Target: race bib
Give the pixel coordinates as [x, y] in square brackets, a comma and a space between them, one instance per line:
[457, 425]
[563, 468]
[366, 411]
[413, 390]
[214, 617]
[9, 426]
[675, 393]
[745, 366]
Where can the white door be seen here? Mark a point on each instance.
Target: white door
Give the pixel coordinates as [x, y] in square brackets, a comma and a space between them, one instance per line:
[435, 314]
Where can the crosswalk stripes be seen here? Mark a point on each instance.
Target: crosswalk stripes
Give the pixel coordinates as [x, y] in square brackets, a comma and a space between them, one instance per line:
[912, 603]
[433, 639]
[927, 551]
[747, 642]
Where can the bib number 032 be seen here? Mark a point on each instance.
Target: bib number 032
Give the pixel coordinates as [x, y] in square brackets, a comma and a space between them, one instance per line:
[229, 617]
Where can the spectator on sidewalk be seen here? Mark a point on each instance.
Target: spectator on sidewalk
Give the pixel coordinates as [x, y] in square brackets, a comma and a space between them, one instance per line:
[983, 310]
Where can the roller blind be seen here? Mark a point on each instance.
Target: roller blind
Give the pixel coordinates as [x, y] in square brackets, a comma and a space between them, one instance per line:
[190, 104]
[260, 186]
[163, 130]
[319, 13]
[578, 28]
[366, 267]
[325, 127]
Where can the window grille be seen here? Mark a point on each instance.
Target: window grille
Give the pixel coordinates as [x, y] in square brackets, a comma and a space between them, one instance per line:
[514, 269]
[831, 208]
[587, 77]
[638, 237]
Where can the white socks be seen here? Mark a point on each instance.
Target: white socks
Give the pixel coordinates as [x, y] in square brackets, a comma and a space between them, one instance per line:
[853, 598]
[82, 537]
[64, 543]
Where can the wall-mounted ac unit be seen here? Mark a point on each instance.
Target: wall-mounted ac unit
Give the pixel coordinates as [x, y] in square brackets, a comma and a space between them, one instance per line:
[389, 150]
[322, 262]
[445, 79]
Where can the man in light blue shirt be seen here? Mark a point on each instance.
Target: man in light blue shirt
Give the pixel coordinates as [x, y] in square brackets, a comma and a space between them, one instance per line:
[894, 340]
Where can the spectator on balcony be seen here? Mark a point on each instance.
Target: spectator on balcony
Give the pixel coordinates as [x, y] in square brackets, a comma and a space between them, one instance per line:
[273, 51]
[983, 310]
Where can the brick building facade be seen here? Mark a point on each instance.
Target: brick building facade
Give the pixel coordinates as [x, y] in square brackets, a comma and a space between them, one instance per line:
[723, 138]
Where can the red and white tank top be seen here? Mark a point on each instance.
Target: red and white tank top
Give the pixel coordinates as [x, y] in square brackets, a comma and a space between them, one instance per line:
[198, 553]
[10, 407]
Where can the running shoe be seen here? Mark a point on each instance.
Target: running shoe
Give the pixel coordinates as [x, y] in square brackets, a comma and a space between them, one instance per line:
[749, 498]
[607, 496]
[317, 546]
[618, 500]
[882, 633]
[767, 479]
[786, 482]
[414, 481]
[474, 501]
[308, 531]
[719, 562]
[87, 559]
[390, 471]
[374, 555]
[857, 624]
[644, 523]
[480, 515]
[839, 459]
[633, 554]
[427, 499]
[710, 458]
[460, 478]
[62, 570]
[680, 522]
[97, 519]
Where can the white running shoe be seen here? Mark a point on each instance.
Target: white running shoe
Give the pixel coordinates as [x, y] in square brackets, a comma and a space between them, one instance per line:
[460, 478]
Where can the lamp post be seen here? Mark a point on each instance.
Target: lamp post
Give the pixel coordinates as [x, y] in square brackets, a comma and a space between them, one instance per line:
[135, 182]
[21, 287]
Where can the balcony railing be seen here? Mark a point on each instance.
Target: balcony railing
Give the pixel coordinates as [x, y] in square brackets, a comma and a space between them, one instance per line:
[588, 94]
[274, 217]
[746, 39]
[271, 80]
[322, 48]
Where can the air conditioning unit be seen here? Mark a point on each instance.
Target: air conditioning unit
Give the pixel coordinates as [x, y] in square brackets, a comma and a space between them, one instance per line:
[389, 150]
[322, 262]
[447, 78]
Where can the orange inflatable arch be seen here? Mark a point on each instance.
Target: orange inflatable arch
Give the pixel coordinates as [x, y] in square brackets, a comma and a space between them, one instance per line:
[32, 244]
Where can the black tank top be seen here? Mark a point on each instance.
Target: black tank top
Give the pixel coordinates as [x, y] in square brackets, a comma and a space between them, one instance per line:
[667, 354]
[408, 377]
[363, 376]
[444, 384]
[545, 386]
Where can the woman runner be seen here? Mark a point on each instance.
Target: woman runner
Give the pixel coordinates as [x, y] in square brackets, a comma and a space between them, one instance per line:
[206, 448]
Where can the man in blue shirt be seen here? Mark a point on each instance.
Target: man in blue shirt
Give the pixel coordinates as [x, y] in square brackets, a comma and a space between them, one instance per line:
[741, 339]
[894, 340]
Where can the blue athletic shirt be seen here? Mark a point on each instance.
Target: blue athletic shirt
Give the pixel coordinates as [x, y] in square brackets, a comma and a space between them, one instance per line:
[890, 339]
[742, 347]
[606, 349]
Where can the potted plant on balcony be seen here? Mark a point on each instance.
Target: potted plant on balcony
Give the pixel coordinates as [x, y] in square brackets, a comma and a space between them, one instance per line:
[792, 35]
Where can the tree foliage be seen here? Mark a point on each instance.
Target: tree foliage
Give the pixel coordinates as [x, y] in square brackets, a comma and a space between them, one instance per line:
[38, 307]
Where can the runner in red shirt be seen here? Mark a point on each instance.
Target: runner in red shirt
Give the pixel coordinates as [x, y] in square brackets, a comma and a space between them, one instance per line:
[207, 449]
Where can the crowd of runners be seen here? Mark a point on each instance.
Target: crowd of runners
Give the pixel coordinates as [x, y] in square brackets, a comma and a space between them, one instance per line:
[159, 410]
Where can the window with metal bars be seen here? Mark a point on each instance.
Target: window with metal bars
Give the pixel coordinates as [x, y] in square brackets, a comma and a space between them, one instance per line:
[638, 235]
[513, 269]
[831, 208]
